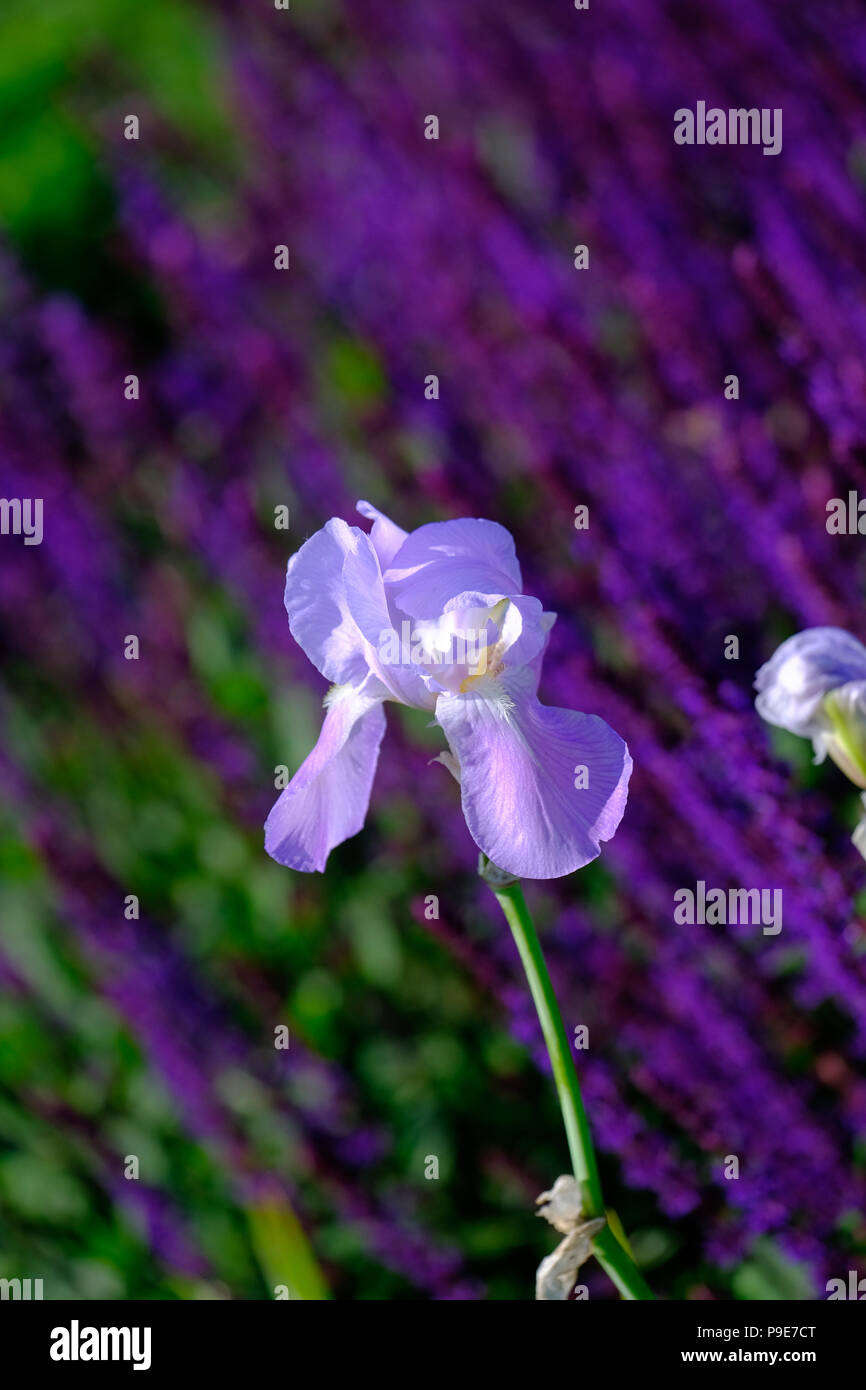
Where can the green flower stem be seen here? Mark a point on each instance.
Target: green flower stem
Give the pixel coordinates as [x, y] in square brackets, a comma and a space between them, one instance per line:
[610, 1253]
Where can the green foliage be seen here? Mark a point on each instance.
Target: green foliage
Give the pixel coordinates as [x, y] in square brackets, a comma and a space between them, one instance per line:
[69, 72]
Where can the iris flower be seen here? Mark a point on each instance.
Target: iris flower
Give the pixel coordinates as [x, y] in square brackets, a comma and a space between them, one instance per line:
[815, 686]
[436, 619]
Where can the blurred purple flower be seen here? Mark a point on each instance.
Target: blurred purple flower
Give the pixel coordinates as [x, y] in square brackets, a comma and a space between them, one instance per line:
[792, 684]
[814, 685]
[437, 620]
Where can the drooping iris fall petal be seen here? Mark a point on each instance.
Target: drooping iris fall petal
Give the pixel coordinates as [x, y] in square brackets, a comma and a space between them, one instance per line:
[327, 799]
[541, 787]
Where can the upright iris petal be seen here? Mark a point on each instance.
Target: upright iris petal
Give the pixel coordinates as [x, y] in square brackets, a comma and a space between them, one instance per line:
[317, 603]
[436, 619]
[385, 536]
[446, 558]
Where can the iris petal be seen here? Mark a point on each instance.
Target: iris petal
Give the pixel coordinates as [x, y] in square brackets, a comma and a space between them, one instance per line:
[386, 535]
[317, 605]
[519, 764]
[446, 558]
[366, 603]
[792, 684]
[326, 801]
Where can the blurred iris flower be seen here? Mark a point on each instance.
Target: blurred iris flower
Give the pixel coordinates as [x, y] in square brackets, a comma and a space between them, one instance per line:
[436, 619]
[815, 685]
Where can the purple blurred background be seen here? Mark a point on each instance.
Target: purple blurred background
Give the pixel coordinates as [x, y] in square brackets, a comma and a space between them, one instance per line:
[558, 387]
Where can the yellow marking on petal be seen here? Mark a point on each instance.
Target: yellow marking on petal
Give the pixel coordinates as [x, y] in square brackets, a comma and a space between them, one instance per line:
[493, 693]
[493, 666]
